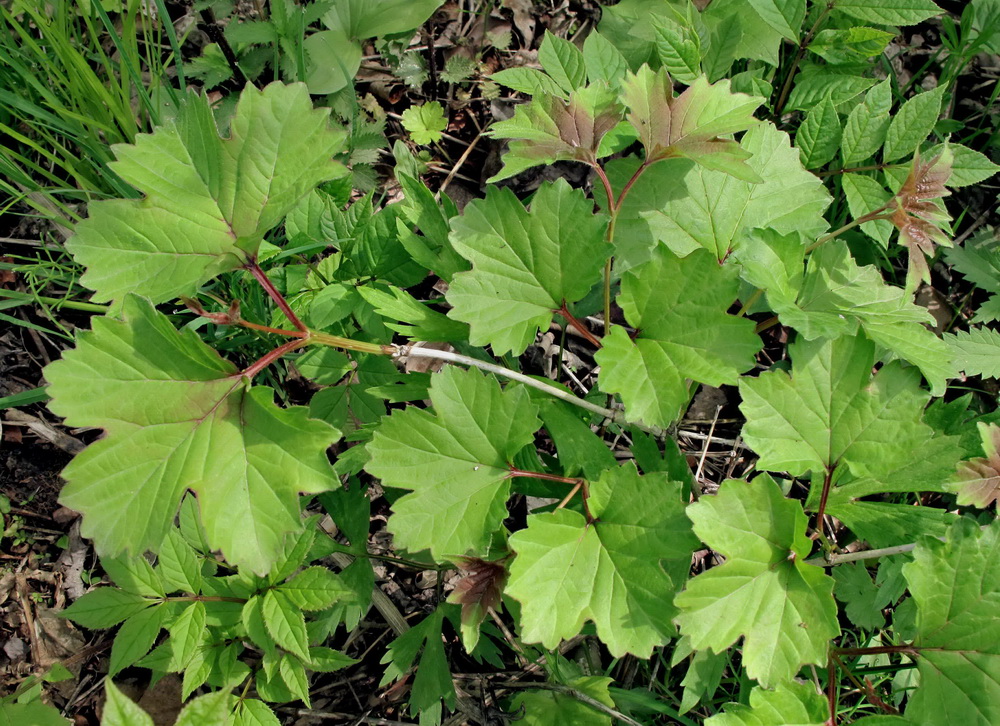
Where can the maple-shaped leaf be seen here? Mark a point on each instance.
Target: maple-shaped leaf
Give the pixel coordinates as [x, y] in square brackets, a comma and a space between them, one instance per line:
[678, 305]
[525, 264]
[783, 608]
[549, 129]
[543, 707]
[179, 417]
[478, 590]
[789, 704]
[918, 215]
[830, 411]
[956, 586]
[720, 211]
[456, 462]
[207, 201]
[619, 571]
[837, 297]
[689, 125]
[977, 481]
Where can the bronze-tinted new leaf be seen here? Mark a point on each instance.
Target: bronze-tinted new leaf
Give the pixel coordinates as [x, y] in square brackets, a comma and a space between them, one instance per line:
[977, 481]
[917, 213]
[478, 591]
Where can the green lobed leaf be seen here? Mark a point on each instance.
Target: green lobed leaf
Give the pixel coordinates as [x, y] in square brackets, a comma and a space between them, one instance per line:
[688, 125]
[182, 418]
[755, 38]
[425, 122]
[525, 264]
[563, 61]
[37, 713]
[785, 16]
[889, 12]
[105, 607]
[912, 124]
[679, 307]
[977, 481]
[544, 707]
[863, 600]
[315, 588]
[956, 585]
[830, 412]
[789, 704]
[610, 571]
[549, 129]
[433, 682]
[720, 211]
[818, 138]
[285, 622]
[207, 201]
[456, 462]
[867, 124]
[120, 710]
[976, 352]
[783, 608]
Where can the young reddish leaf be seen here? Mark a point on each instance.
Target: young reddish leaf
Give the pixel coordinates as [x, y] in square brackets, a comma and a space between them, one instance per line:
[549, 129]
[917, 215]
[689, 125]
[977, 481]
[478, 590]
[180, 417]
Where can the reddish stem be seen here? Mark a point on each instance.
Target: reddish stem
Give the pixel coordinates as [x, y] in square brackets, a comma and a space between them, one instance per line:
[831, 689]
[273, 293]
[824, 495]
[877, 650]
[865, 688]
[628, 185]
[523, 473]
[584, 331]
[607, 187]
[268, 359]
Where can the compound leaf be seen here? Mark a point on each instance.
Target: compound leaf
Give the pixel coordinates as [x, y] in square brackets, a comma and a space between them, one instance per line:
[207, 201]
[105, 607]
[956, 585]
[285, 622]
[720, 210]
[689, 125]
[549, 129]
[525, 264]
[456, 462]
[830, 412]
[679, 307]
[783, 608]
[912, 124]
[789, 704]
[180, 417]
[976, 351]
[568, 571]
[315, 588]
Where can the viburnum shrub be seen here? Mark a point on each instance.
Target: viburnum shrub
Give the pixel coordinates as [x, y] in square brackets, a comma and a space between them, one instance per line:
[702, 214]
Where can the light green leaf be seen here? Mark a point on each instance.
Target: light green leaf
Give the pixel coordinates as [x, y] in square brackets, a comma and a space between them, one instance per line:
[134, 574]
[315, 588]
[369, 18]
[529, 81]
[867, 124]
[610, 571]
[968, 167]
[755, 38]
[544, 707]
[411, 318]
[956, 585]
[563, 61]
[830, 412]
[679, 306]
[818, 82]
[252, 617]
[525, 265]
[912, 124]
[785, 16]
[456, 462]
[433, 681]
[105, 607]
[863, 600]
[549, 129]
[889, 12]
[604, 62]
[720, 211]
[208, 201]
[783, 608]
[789, 704]
[864, 195]
[212, 708]
[849, 45]
[293, 673]
[679, 49]
[818, 138]
[135, 637]
[976, 352]
[187, 634]
[425, 122]
[688, 125]
[333, 61]
[120, 710]
[251, 712]
[36, 713]
[182, 418]
[838, 296]
[179, 565]
[327, 660]
[285, 622]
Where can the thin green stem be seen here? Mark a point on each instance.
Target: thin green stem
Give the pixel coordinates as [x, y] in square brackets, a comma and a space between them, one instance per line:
[870, 217]
[799, 55]
[525, 474]
[60, 302]
[336, 341]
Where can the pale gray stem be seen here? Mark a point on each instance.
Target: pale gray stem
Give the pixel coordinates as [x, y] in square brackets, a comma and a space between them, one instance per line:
[862, 555]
